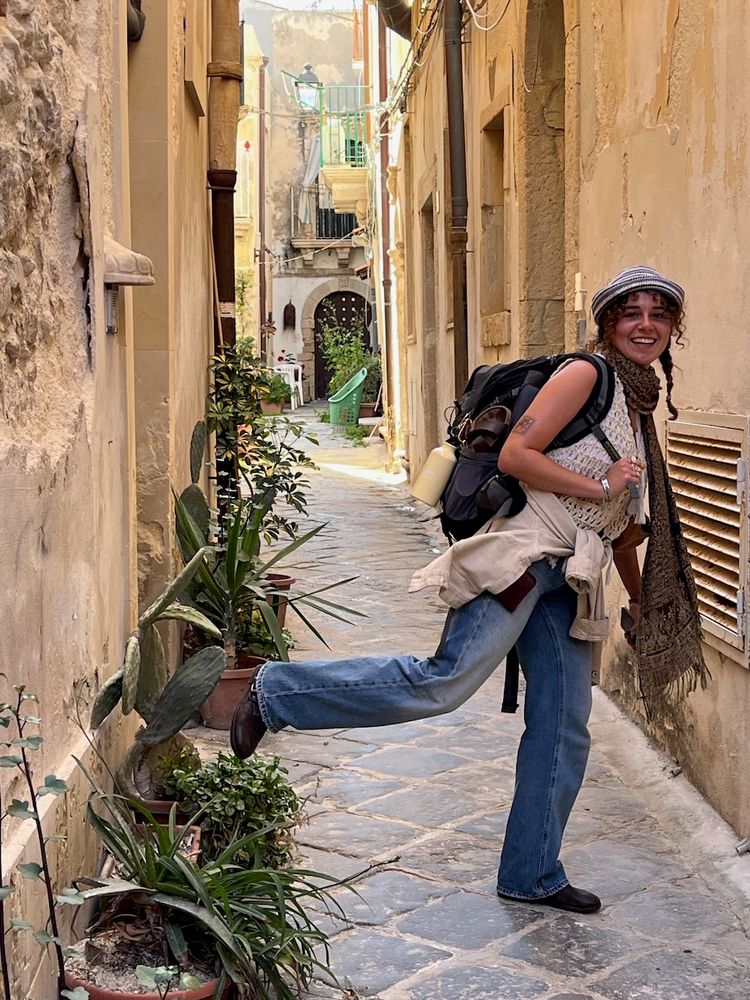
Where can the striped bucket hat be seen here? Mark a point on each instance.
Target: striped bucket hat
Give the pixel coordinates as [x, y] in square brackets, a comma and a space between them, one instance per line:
[636, 279]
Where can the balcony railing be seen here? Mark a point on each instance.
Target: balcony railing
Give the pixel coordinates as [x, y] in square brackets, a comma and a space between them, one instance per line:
[343, 136]
[314, 217]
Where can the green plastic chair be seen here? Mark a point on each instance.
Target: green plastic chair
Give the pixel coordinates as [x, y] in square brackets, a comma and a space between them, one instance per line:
[344, 405]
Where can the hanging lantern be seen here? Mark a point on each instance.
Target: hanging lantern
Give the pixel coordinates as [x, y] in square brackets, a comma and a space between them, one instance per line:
[290, 316]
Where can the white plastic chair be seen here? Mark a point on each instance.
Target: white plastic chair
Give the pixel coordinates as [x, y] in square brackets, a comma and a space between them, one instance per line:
[292, 375]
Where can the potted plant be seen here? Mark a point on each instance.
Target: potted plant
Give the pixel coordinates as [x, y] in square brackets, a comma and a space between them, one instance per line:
[226, 920]
[276, 393]
[142, 685]
[233, 585]
[345, 354]
[236, 798]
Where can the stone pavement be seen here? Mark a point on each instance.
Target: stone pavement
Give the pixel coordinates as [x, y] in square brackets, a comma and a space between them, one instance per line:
[435, 795]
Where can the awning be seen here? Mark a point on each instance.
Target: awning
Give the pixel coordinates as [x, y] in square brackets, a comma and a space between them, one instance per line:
[397, 16]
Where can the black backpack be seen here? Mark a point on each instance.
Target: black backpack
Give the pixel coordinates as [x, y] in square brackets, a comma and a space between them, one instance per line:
[494, 399]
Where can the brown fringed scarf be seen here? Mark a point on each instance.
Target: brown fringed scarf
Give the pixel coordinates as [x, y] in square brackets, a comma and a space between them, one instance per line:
[668, 647]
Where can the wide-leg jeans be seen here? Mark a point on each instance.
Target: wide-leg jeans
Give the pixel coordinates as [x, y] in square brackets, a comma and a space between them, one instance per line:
[386, 690]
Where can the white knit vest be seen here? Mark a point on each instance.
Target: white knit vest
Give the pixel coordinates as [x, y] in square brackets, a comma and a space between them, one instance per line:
[588, 457]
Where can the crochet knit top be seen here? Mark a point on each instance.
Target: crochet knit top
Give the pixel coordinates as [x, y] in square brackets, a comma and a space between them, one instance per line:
[588, 457]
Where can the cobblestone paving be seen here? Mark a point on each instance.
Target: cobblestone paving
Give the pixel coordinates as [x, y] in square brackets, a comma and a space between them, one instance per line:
[435, 794]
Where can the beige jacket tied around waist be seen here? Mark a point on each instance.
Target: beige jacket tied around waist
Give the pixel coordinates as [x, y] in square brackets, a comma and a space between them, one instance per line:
[504, 549]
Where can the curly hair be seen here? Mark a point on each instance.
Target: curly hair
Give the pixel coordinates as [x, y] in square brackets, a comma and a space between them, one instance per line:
[608, 321]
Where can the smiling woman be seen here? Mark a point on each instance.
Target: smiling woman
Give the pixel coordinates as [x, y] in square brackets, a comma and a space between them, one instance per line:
[533, 581]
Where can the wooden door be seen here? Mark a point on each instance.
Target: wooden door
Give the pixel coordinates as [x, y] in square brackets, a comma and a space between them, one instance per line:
[347, 308]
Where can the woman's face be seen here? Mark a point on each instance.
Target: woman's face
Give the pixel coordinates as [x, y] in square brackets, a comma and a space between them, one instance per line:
[643, 330]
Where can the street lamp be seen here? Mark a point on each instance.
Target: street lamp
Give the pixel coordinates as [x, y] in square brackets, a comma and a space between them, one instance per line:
[308, 88]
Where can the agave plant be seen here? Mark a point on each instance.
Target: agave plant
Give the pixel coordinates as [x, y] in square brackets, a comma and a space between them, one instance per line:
[233, 582]
[253, 919]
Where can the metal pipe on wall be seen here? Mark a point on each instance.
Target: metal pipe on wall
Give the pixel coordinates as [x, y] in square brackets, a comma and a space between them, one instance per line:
[225, 74]
[459, 189]
[263, 346]
[385, 233]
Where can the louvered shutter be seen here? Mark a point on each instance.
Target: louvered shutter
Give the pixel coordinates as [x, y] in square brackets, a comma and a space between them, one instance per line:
[707, 467]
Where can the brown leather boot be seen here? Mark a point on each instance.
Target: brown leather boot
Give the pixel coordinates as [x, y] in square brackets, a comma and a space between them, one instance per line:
[248, 727]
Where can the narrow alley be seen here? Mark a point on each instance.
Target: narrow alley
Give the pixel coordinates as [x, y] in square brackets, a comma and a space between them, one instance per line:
[430, 799]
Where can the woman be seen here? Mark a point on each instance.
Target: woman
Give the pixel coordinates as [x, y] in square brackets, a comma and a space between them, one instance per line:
[533, 581]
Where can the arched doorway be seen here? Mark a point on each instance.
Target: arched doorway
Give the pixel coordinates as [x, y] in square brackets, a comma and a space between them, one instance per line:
[347, 309]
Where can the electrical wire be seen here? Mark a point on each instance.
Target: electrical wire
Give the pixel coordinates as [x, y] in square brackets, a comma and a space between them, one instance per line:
[474, 11]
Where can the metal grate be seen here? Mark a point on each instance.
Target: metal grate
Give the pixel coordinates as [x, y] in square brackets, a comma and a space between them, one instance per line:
[706, 467]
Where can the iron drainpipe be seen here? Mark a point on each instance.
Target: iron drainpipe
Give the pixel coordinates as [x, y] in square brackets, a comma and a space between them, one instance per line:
[459, 196]
[225, 73]
[262, 278]
[385, 235]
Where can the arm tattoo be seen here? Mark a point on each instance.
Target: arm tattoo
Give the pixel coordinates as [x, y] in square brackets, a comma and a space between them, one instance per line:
[523, 425]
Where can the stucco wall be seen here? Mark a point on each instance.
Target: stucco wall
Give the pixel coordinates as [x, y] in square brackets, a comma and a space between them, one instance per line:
[172, 321]
[665, 165]
[64, 436]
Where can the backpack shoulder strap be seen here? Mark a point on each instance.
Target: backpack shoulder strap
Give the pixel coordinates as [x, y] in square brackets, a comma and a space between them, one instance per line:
[596, 407]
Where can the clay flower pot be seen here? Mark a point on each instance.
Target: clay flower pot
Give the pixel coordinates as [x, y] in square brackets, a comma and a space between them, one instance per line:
[280, 581]
[204, 992]
[217, 710]
[271, 409]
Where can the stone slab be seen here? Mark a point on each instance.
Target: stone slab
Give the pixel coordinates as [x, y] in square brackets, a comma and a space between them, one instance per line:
[360, 836]
[372, 960]
[388, 894]
[467, 921]
[677, 975]
[428, 805]
[568, 945]
[474, 982]
[414, 763]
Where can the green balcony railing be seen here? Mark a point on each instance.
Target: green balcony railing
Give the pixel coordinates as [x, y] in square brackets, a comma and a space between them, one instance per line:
[343, 137]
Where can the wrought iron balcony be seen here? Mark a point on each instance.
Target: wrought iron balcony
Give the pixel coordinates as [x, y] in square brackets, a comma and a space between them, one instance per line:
[314, 216]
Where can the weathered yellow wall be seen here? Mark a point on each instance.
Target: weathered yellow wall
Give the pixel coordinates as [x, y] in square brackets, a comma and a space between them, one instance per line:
[67, 427]
[665, 163]
[624, 142]
[172, 321]
[71, 408]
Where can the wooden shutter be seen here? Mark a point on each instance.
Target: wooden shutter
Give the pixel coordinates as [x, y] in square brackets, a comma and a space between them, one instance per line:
[707, 459]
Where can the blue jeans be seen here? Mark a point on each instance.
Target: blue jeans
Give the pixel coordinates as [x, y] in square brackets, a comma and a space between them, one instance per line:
[386, 690]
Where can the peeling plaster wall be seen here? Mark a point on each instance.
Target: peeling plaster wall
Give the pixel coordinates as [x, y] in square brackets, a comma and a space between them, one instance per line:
[665, 163]
[172, 320]
[325, 41]
[64, 434]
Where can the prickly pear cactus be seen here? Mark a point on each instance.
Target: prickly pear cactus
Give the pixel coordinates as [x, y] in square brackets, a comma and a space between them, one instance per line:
[186, 690]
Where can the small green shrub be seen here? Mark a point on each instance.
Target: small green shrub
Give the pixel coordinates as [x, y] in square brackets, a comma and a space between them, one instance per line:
[324, 416]
[253, 636]
[238, 799]
[356, 435]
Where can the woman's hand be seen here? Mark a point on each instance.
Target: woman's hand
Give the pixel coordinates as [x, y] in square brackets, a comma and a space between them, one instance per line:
[631, 630]
[626, 470]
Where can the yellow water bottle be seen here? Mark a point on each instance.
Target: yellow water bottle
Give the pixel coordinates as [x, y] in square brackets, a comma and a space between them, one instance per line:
[436, 471]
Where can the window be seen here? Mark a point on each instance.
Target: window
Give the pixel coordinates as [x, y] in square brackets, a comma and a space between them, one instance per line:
[493, 293]
[707, 455]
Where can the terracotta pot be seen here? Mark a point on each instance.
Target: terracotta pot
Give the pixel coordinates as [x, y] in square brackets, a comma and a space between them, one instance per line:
[367, 409]
[278, 603]
[161, 808]
[204, 992]
[271, 409]
[217, 710]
